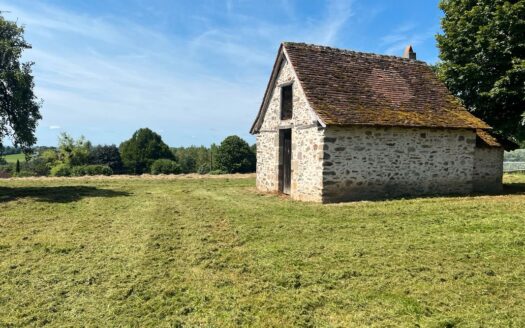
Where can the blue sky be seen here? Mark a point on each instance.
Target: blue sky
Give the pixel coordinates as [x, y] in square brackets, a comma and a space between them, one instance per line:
[194, 71]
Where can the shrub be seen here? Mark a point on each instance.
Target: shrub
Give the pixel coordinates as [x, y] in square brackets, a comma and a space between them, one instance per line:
[217, 172]
[49, 156]
[36, 167]
[73, 152]
[188, 164]
[165, 166]
[23, 173]
[78, 171]
[204, 169]
[6, 170]
[106, 155]
[82, 170]
[99, 170]
[61, 170]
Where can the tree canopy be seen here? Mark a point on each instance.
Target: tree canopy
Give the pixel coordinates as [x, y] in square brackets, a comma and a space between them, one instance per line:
[144, 147]
[106, 155]
[19, 107]
[483, 60]
[235, 156]
[73, 152]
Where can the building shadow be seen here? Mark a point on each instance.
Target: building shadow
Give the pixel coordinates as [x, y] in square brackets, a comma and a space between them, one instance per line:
[60, 194]
[509, 189]
[513, 189]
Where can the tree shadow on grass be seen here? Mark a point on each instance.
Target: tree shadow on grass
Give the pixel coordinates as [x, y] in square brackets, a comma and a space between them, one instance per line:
[61, 194]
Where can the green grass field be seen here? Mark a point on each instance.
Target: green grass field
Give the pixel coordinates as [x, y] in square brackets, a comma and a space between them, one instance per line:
[12, 158]
[215, 253]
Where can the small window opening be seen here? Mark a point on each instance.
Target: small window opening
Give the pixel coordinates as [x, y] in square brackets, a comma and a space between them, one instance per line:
[286, 102]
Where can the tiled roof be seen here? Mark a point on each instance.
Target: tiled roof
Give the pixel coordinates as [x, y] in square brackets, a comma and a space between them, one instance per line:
[492, 140]
[352, 88]
[485, 139]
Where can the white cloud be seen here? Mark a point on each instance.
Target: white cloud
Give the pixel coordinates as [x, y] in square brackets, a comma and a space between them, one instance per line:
[404, 35]
[105, 76]
[339, 11]
[90, 85]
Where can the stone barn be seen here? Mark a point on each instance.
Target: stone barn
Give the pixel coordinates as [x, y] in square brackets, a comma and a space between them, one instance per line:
[338, 125]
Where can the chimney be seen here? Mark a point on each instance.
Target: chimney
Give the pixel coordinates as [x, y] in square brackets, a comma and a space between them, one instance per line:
[409, 53]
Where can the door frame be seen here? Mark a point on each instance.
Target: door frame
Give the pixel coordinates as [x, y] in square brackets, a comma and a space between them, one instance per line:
[285, 160]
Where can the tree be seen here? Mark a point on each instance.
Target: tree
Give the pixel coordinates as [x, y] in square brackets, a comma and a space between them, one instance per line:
[165, 166]
[19, 107]
[188, 164]
[483, 59]
[235, 156]
[49, 156]
[144, 147]
[73, 152]
[106, 155]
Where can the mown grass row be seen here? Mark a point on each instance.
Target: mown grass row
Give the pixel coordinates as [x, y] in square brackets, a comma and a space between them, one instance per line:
[215, 252]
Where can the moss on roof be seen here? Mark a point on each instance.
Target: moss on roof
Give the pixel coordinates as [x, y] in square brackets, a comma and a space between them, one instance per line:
[353, 88]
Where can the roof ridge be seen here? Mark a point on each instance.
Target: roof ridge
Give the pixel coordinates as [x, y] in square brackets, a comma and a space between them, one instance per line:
[346, 87]
[354, 52]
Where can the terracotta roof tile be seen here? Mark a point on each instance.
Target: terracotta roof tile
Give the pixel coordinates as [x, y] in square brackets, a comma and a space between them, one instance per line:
[352, 88]
[485, 139]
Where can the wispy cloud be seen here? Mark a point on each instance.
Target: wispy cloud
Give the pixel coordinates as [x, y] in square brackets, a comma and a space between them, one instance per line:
[339, 11]
[196, 72]
[126, 77]
[405, 34]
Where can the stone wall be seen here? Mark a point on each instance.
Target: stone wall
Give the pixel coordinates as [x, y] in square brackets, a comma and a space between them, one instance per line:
[374, 162]
[488, 170]
[307, 164]
[267, 161]
[352, 163]
[307, 140]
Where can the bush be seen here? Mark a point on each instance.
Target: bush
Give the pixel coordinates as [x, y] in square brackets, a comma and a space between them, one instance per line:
[204, 169]
[73, 152]
[61, 170]
[99, 170]
[82, 170]
[78, 171]
[36, 167]
[23, 174]
[187, 164]
[106, 155]
[165, 166]
[6, 170]
[217, 172]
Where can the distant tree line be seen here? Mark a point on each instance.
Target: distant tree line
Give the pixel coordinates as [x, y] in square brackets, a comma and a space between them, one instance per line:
[143, 153]
[10, 150]
[517, 155]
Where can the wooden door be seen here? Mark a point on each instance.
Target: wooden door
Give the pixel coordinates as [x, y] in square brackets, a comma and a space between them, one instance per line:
[286, 161]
